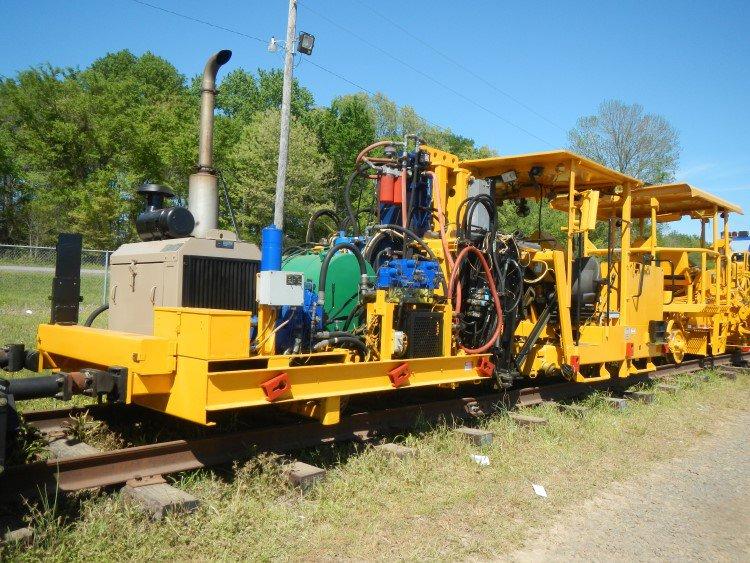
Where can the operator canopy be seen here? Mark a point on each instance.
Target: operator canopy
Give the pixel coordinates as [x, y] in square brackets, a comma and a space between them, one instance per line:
[523, 175]
[675, 202]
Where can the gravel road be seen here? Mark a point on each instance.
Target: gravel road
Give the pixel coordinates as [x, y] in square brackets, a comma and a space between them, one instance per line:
[696, 507]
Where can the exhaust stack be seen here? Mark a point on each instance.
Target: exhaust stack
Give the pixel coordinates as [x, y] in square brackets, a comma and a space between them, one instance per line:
[203, 200]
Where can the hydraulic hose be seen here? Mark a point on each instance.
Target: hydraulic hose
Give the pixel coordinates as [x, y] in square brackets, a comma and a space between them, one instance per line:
[441, 227]
[324, 272]
[347, 196]
[317, 215]
[326, 334]
[95, 313]
[373, 146]
[493, 290]
[346, 341]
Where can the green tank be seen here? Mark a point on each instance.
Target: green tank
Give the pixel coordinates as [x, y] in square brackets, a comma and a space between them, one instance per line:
[342, 282]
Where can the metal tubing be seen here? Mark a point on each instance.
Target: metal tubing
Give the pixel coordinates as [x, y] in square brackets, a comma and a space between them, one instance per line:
[203, 198]
[208, 95]
[34, 387]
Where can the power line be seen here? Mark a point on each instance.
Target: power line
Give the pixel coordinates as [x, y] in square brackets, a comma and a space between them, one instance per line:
[235, 32]
[332, 73]
[197, 20]
[461, 66]
[426, 75]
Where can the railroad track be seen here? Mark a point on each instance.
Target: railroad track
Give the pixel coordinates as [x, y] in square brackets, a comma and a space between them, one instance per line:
[119, 466]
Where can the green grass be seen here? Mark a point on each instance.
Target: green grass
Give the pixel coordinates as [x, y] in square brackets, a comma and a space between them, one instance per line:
[24, 303]
[438, 505]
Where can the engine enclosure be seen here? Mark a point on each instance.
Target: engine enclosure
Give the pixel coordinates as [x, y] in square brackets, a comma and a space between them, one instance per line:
[160, 273]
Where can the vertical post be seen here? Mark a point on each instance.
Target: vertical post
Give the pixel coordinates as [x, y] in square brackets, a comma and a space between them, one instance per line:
[654, 206]
[106, 277]
[624, 273]
[571, 227]
[717, 258]
[727, 256]
[703, 260]
[286, 107]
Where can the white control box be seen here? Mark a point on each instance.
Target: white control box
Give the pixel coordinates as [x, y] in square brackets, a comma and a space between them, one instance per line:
[279, 288]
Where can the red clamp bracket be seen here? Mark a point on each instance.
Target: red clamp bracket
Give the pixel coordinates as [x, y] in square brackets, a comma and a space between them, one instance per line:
[485, 368]
[400, 375]
[629, 350]
[276, 386]
[575, 363]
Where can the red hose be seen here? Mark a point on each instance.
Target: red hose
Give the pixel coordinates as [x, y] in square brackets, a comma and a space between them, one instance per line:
[441, 227]
[493, 290]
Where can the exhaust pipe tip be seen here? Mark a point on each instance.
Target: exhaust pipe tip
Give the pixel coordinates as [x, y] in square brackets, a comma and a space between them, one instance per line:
[223, 56]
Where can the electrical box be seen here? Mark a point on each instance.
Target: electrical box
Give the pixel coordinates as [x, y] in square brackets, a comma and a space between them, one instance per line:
[279, 288]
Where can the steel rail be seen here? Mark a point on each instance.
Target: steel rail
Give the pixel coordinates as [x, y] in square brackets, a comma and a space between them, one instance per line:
[119, 466]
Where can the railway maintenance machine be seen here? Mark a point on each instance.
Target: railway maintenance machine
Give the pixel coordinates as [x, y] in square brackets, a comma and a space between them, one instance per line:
[417, 288]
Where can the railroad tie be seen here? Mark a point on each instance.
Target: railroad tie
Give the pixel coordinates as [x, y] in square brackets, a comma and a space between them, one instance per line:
[726, 373]
[303, 475]
[576, 410]
[474, 436]
[642, 396]
[527, 420]
[617, 403]
[153, 494]
[158, 497]
[390, 449]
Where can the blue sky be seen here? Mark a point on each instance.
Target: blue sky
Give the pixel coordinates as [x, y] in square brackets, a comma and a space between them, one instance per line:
[685, 60]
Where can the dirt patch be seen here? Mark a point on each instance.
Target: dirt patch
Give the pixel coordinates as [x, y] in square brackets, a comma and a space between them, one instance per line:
[694, 507]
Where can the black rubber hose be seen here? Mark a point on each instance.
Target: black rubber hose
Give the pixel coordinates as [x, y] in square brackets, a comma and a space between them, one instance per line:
[324, 271]
[95, 313]
[345, 342]
[357, 309]
[326, 334]
[350, 340]
[347, 196]
[317, 215]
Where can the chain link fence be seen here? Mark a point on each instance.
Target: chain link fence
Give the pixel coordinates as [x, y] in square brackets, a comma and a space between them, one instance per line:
[26, 274]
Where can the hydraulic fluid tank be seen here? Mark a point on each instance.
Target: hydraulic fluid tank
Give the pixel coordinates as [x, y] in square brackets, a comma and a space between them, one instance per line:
[342, 282]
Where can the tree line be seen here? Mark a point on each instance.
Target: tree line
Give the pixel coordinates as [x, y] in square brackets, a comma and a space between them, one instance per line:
[75, 145]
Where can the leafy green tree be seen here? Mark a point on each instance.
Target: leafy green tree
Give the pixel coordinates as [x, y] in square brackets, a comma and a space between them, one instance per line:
[86, 139]
[253, 181]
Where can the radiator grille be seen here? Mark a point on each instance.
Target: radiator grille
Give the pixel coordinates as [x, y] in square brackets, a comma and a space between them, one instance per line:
[219, 283]
[424, 333]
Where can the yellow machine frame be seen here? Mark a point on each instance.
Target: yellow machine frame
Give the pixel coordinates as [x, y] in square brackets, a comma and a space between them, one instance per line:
[198, 362]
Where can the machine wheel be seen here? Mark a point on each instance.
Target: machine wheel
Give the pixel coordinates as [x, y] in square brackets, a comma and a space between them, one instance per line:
[677, 342]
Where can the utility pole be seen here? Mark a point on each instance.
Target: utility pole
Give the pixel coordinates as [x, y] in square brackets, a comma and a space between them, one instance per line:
[286, 107]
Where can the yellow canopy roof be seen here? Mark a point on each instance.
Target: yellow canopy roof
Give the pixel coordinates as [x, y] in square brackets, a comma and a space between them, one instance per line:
[675, 201]
[556, 167]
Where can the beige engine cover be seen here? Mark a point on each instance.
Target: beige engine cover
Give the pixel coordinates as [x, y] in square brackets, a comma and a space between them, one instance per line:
[144, 275]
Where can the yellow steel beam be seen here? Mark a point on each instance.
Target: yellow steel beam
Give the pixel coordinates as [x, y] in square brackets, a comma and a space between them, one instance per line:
[137, 352]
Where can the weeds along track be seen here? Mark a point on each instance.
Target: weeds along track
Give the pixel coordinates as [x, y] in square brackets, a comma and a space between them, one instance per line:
[121, 465]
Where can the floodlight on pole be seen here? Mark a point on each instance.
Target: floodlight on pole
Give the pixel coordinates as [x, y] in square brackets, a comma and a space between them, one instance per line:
[305, 43]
